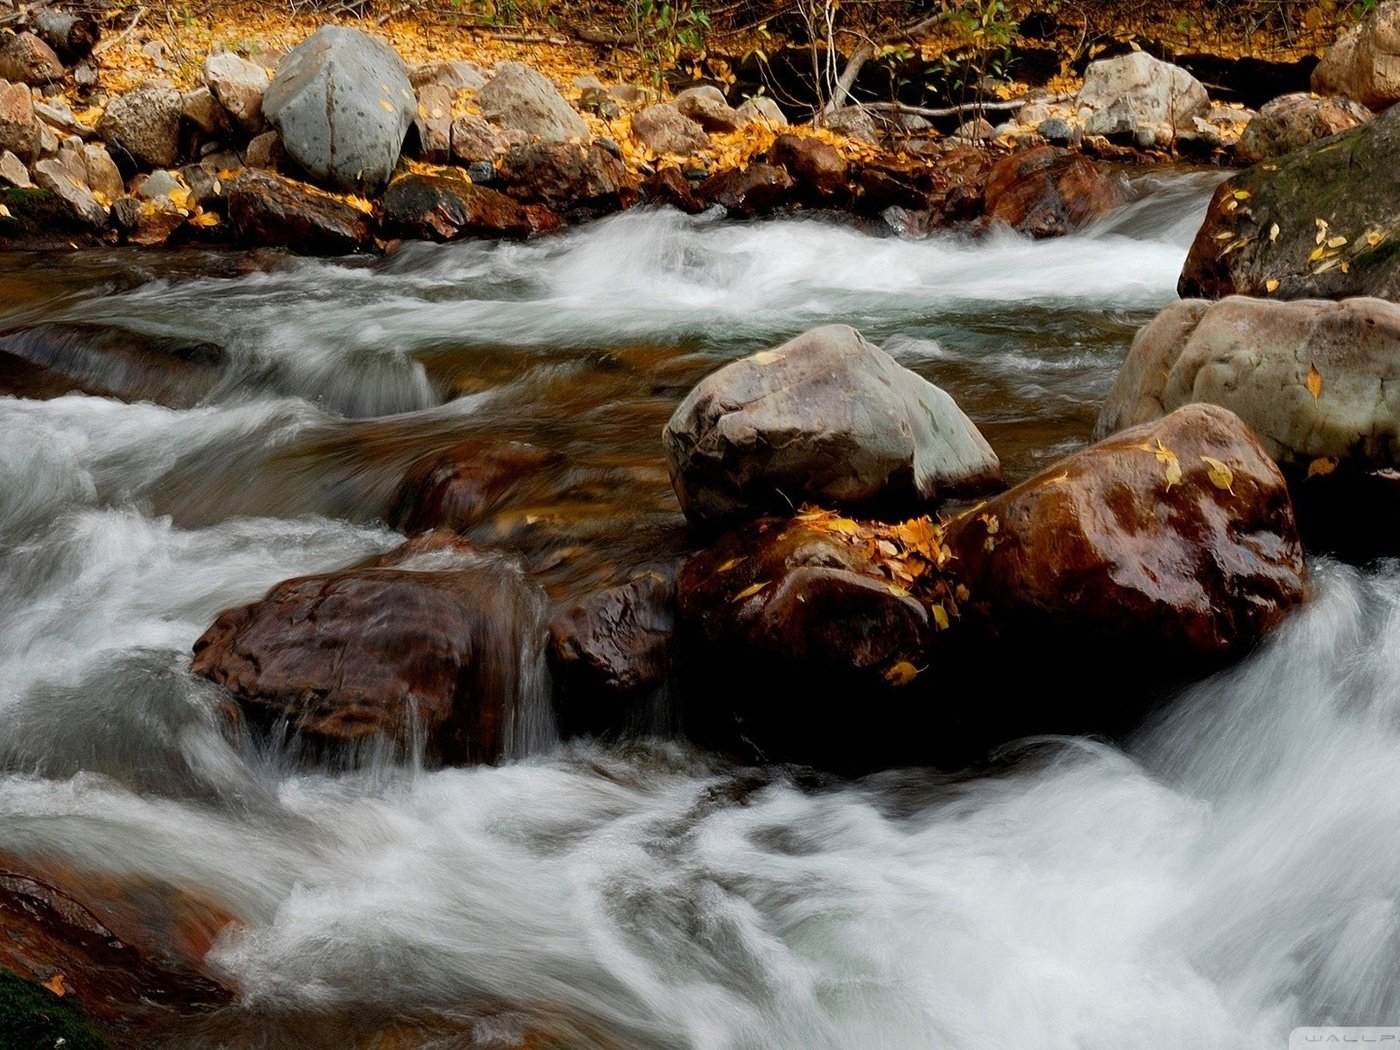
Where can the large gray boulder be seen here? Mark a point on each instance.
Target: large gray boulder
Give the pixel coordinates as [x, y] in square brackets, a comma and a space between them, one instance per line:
[1364, 64]
[518, 97]
[825, 418]
[1141, 96]
[343, 104]
[239, 86]
[145, 126]
[1314, 379]
[1291, 122]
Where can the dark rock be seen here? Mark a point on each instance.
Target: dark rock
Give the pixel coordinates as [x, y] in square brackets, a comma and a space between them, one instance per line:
[264, 151]
[343, 104]
[668, 186]
[566, 176]
[272, 212]
[474, 141]
[755, 190]
[817, 168]
[25, 59]
[1055, 131]
[467, 482]
[616, 643]
[1292, 122]
[1345, 181]
[424, 647]
[206, 188]
[825, 418]
[1047, 192]
[436, 208]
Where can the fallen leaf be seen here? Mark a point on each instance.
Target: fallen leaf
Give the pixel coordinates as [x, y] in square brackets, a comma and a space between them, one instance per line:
[1242, 195]
[1317, 252]
[940, 617]
[750, 591]
[55, 985]
[765, 357]
[4, 212]
[1168, 459]
[1273, 233]
[729, 564]
[1374, 238]
[993, 525]
[1221, 476]
[845, 526]
[1271, 285]
[1322, 466]
[896, 590]
[901, 673]
[1314, 382]
[1336, 242]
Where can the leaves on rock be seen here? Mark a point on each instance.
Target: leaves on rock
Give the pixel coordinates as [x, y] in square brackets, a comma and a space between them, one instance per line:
[55, 985]
[1314, 382]
[901, 673]
[750, 591]
[1221, 476]
[1322, 466]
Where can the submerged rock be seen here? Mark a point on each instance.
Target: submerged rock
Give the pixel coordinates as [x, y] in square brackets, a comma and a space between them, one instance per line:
[426, 647]
[826, 418]
[272, 212]
[1047, 192]
[465, 483]
[437, 208]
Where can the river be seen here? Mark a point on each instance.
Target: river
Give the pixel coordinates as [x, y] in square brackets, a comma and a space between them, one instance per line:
[191, 428]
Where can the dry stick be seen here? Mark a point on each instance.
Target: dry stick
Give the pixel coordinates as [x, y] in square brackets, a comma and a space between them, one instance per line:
[114, 41]
[62, 120]
[957, 111]
[866, 51]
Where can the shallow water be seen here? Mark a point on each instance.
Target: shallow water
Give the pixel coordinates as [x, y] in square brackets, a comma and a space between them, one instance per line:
[1230, 873]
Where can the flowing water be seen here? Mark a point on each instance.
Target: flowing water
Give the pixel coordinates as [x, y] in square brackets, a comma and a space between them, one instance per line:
[189, 429]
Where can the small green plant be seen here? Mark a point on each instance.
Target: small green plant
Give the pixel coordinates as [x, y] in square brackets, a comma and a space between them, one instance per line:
[666, 31]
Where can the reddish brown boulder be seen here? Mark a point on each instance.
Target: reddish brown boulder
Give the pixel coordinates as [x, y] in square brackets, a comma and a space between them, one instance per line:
[1047, 192]
[817, 168]
[617, 642]
[463, 484]
[1176, 537]
[422, 646]
[566, 176]
[273, 212]
[755, 190]
[435, 208]
[669, 186]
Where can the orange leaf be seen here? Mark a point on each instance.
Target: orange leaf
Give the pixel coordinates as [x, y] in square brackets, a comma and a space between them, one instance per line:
[1322, 466]
[55, 985]
[1314, 382]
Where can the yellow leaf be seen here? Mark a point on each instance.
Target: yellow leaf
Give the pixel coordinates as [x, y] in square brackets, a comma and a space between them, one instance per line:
[940, 617]
[845, 526]
[1346, 267]
[1221, 476]
[1224, 235]
[1314, 382]
[55, 985]
[993, 525]
[388, 106]
[1322, 466]
[205, 218]
[1242, 195]
[896, 590]
[1167, 458]
[1336, 242]
[901, 673]
[1374, 238]
[1271, 285]
[1273, 233]
[729, 564]
[1317, 252]
[961, 593]
[750, 591]
[4, 212]
[765, 357]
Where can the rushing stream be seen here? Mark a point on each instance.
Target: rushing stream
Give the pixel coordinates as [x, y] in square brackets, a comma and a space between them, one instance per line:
[189, 429]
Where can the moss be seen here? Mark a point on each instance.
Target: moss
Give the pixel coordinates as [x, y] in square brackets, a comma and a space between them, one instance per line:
[33, 1018]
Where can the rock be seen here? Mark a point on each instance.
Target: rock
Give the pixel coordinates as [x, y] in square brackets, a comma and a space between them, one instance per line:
[454, 75]
[125, 215]
[825, 418]
[466, 483]
[1364, 65]
[631, 94]
[19, 127]
[143, 126]
[520, 98]
[668, 187]
[817, 168]
[13, 172]
[153, 226]
[264, 151]
[1136, 93]
[763, 110]
[662, 129]
[86, 75]
[342, 103]
[616, 643]
[853, 122]
[73, 163]
[706, 106]
[483, 173]
[755, 190]
[597, 100]
[238, 85]
[272, 212]
[434, 123]
[25, 59]
[978, 130]
[158, 184]
[206, 188]
[81, 206]
[101, 172]
[425, 647]
[435, 208]
[1292, 121]
[566, 176]
[201, 110]
[1109, 558]
[474, 140]
[1055, 131]
[1047, 192]
[1346, 182]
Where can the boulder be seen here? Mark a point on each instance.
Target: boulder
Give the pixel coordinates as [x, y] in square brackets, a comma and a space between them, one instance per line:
[342, 103]
[454, 75]
[1172, 542]
[272, 212]
[1364, 64]
[101, 173]
[1292, 121]
[754, 190]
[13, 172]
[475, 140]
[518, 97]
[1315, 224]
[825, 418]
[566, 176]
[854, 122]
[763, 110]
[437, 208]
[1140, 96]
[705, 105]
[1046, 191]
[239, 86]
[19, 127]
[25, 59]
[434, 123]
[463, 484]
[818, 169]
[201, 110]
[264, 151]
[662, 129]
[423, 647]
[668, 187]
[81, 207]
[616, 643]
[143, 127]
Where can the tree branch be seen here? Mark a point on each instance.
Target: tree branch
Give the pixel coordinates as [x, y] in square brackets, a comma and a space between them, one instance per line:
[957, 111]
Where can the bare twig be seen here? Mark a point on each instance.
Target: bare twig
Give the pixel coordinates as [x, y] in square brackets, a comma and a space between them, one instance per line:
[957, 111]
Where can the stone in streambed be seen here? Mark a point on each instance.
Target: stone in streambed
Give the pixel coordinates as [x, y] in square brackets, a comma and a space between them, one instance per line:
[1048, 192]
[465, 483]
[1293, 121]
[143, 127]
[272, 212]
[434, 207]
[20, 131]
[825, 418]
[239, 86]
[1364, 64]
[663, 129]
[756, 190]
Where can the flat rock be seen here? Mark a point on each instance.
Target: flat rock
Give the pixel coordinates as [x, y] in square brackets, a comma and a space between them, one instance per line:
[273, 212]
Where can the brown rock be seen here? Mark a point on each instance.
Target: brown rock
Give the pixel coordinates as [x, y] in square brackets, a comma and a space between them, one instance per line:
[756, 190]
[706, 106]
[465, 483]
[272, 212]
[616, 642]
[1111, 552]
[25, 59]
[101, 172]
[202, 110]
[239, 86]
[1292, 121]
[81, 208]
[474, 139]
[13, 172]
[145, 125]
[662, 129]
[264, 151]
[668, 186]
[421, 647]
[1047, 191]
[1364, 64]
[434, 123]
[815, 165]
[566, 176]
[436, 208]
[19, 127]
